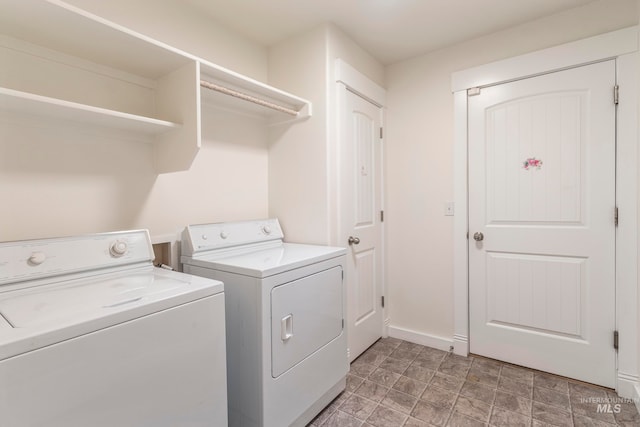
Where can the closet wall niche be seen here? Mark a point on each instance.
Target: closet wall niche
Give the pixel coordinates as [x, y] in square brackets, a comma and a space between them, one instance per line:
[65, 66]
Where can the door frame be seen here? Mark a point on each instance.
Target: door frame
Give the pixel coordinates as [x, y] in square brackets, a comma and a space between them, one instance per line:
[347, 78]
[621, 45]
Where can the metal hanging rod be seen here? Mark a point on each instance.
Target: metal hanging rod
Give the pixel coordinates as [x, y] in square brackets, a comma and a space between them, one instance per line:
[246, 97]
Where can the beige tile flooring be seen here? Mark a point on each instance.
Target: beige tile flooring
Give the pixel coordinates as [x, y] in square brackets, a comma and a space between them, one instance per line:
[397, 383]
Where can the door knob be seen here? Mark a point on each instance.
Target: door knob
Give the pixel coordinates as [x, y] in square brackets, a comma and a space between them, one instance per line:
[353, 240]
[478, 237]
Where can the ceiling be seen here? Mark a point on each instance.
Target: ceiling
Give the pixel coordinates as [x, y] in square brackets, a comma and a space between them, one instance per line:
[390, 30]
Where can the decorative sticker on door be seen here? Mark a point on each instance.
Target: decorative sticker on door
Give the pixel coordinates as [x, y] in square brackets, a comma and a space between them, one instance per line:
[532, 163]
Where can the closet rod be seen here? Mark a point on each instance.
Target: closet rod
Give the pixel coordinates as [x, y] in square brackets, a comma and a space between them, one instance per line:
[246, 97]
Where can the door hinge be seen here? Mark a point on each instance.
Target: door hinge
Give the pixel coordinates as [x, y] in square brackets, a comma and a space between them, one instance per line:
[616, 94]
[382, 301]
[616, 339]
[381, 216]
[381, 133]
[474, 91]
[616, 217]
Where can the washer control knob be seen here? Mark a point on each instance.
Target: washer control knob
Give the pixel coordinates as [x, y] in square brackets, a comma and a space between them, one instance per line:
[266, 229]
[204, 237]
[224, 235]
[37, 258]
[118, 248]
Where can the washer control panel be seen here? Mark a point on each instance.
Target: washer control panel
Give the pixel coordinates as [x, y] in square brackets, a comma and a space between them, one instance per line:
[42, 258]
[204, 237]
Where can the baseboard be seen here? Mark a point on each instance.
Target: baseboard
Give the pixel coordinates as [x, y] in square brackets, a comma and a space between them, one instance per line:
[461, 345]
[385, 327]
[420, 338]
[628, 386]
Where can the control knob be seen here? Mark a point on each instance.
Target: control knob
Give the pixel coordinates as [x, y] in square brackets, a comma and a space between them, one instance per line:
[266, 229]
[37, 258]
[118, 248]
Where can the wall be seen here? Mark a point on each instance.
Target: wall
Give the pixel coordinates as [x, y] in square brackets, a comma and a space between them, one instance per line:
[60, 181]
[174, 23]
[637, 402]
[302, 158]
[419, 156]
[298, 193]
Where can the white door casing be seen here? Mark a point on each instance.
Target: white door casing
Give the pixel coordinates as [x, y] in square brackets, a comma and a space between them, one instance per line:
[360, 197]
[623, 46]
[542, 198]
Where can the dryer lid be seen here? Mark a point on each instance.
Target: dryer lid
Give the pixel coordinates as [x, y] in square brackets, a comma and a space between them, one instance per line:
[265, 262]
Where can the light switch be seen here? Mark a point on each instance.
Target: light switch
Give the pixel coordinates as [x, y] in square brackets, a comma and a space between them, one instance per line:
[448, 208]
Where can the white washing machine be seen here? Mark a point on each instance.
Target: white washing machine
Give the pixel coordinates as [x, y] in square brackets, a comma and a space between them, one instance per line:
[92, 334]
[286, 342]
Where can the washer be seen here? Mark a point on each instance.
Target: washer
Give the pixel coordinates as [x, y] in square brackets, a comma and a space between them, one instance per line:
[286, 342]
[92, 334]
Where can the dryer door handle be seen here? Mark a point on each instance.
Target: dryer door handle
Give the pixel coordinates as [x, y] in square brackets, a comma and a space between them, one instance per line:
[286, 327]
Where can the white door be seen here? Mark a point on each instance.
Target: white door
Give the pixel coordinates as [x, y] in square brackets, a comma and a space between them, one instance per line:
[361, 194]
[542, 199]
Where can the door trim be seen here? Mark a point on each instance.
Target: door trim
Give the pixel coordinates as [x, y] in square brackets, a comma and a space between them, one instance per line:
[623, 46]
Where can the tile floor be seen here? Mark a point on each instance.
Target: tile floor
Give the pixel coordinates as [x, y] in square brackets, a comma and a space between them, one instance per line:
[397, 383]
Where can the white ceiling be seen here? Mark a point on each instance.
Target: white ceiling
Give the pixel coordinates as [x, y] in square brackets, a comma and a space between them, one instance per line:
[391, 30]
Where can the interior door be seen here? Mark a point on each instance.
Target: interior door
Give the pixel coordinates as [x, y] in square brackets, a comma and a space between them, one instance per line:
[541, 222]
[362, 229]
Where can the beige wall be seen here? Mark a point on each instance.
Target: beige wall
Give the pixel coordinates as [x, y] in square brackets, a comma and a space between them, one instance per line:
[174, 23]
[302, 158]
[419, 156]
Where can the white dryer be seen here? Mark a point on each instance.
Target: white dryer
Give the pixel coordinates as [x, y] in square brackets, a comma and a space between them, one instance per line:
[92, 334]
[286, 342]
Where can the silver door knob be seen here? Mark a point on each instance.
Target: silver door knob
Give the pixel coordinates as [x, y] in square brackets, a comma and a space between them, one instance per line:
[478, 237]
[353, 240]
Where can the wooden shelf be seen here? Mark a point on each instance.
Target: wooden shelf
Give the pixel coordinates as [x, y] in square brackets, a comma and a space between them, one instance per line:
[56, 25]
[243, 84]
[64, 42]
[31, 104]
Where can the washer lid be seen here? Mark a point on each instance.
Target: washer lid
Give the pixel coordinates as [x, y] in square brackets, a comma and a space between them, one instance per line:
[47, 314]
[77, 301]
[267, 261]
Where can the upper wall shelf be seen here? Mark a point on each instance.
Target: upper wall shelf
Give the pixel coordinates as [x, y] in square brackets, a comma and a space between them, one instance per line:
[65, 28]
[250, 96]
[57, 36]
[42, 106]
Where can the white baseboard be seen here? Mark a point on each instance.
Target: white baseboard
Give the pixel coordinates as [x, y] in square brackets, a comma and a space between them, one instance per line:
[420, 338]
[385, 328]
[461, 345]
[628, 386]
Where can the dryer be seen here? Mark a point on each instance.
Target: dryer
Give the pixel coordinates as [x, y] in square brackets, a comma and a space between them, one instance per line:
[92, 334]
[286, 341]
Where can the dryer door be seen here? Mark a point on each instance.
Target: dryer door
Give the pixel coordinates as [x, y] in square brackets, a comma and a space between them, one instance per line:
[306, 314]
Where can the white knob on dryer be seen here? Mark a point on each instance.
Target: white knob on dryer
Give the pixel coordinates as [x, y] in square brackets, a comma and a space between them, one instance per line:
[266, 229]
[118, 248]
[37, 258]
[224, 235]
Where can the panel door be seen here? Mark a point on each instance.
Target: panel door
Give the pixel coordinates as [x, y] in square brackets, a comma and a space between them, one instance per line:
[361, 205]
[541, 222]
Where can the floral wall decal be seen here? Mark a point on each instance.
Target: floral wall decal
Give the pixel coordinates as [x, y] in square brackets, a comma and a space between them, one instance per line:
[532, 162]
